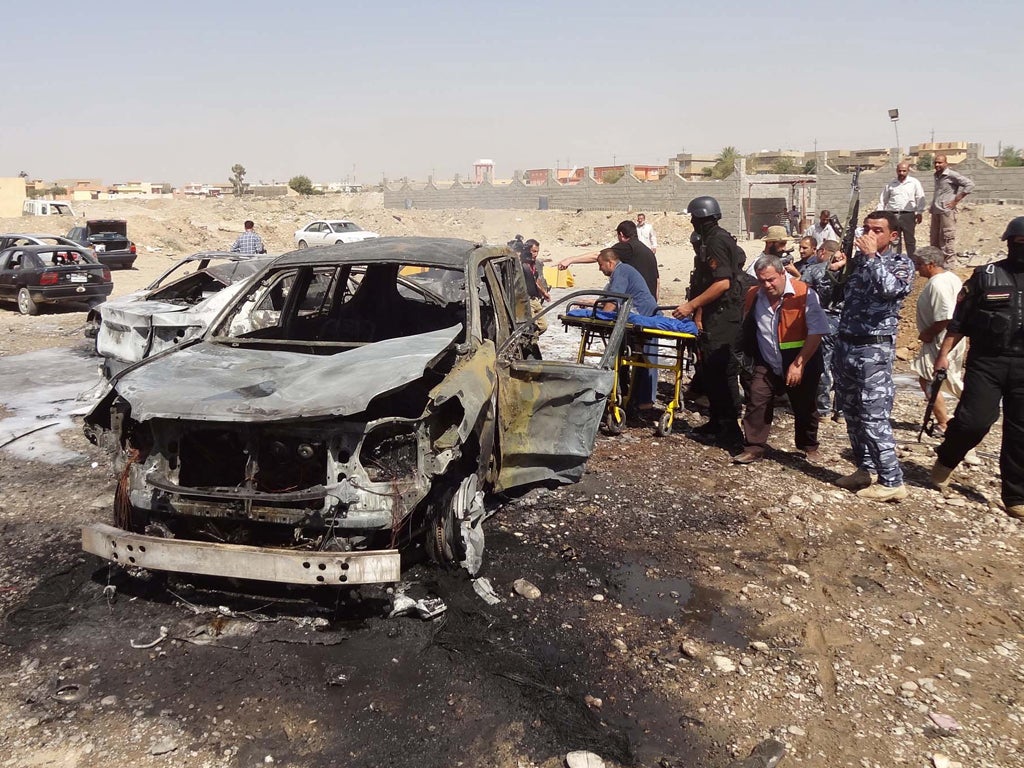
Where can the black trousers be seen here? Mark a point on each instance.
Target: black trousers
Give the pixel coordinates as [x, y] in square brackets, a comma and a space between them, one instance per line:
[987, 380]
[908, 223]
[719, 372]
[765, 386]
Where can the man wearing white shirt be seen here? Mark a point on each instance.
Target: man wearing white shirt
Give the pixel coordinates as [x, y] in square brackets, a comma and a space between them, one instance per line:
[645, 233]
[904, 196]
[821, 230]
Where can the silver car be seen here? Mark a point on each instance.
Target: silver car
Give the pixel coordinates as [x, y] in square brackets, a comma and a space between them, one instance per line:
[348, 402]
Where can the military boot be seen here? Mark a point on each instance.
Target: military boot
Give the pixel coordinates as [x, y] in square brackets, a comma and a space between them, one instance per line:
[940, 475]
[883, 492]
[856, 481]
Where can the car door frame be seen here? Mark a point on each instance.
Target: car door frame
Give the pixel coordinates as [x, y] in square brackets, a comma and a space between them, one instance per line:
[549, 411]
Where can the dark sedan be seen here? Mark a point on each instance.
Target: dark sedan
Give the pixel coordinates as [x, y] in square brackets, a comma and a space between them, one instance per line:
[109, 238]
[31, 275]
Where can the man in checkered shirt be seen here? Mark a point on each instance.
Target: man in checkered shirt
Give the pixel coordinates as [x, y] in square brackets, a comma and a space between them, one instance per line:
[249, 242]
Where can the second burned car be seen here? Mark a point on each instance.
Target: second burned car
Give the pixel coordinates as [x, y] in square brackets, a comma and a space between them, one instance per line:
[351, 401]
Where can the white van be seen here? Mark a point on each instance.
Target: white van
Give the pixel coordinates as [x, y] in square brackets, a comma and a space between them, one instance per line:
[46, 208]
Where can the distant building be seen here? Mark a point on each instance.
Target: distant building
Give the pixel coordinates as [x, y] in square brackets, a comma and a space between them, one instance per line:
[770, 161]
[483, 170]
[955, 151]
[641, 172]
[137, 189]
[846, 160]
[693, 166]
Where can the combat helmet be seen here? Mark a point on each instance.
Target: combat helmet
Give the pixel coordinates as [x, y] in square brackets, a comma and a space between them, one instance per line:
[704, 207]
[1015, 228]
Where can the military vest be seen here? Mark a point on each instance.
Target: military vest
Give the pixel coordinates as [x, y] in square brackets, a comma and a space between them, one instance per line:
[996, 324]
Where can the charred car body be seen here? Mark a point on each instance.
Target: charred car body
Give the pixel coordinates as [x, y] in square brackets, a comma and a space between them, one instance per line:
[174, 308]
[352, 400]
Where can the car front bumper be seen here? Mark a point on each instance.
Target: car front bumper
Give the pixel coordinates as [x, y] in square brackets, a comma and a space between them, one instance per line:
[241, 562]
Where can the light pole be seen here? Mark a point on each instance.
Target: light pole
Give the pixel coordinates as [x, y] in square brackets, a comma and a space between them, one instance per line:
[894, 115]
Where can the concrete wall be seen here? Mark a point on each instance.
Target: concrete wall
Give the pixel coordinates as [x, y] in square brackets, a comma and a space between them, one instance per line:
[991, 184]
[628, 194]
[12, 196]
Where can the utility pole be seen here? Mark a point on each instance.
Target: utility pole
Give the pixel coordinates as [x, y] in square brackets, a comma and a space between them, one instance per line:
[933, 135]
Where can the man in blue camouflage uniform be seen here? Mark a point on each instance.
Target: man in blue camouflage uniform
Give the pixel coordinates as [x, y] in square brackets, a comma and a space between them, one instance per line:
[878, 281]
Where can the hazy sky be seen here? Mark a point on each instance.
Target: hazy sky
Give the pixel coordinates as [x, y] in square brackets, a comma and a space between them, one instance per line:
[180, 91]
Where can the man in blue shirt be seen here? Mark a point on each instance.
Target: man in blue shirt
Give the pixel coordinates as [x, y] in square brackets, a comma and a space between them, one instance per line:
[622, 278]
[628, 280]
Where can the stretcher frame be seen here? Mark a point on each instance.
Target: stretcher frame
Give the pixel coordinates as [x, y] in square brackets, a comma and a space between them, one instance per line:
[676, 352]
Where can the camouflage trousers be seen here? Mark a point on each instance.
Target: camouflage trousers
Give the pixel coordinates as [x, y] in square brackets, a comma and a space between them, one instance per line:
[864, 393]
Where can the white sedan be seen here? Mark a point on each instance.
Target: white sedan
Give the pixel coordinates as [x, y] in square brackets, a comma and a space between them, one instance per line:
[331, 232]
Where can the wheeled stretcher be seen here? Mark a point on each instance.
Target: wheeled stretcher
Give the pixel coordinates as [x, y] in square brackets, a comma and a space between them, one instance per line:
[642, 347]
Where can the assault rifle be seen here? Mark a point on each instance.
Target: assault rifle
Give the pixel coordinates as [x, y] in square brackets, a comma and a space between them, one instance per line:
[847, 235]
[933, 395]
[849, 232]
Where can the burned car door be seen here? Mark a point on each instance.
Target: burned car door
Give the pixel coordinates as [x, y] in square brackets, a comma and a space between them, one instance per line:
[548, 411]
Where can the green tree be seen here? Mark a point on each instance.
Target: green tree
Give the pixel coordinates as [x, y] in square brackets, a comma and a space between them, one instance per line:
[612, 176]
[302, 185]
[725, 163]
[925, 162]
[55, 190]
[237, 179]
[811, 166]
[1011, 157]
[784, 165]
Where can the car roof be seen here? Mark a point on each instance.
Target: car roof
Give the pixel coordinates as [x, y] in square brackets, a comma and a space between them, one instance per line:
[107, 221]
[428, 251]
[38, 236]
[48, 248]
[217, 255]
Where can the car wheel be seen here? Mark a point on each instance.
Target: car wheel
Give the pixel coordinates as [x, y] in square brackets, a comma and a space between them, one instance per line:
[454, 536]
[25, 304]
[302, 244]
[339, 242]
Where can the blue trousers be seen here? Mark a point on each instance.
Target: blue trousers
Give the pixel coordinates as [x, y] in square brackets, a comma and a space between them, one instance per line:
[865, 392]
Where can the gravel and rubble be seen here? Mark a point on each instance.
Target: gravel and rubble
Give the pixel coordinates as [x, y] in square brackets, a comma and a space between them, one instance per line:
[684, 611]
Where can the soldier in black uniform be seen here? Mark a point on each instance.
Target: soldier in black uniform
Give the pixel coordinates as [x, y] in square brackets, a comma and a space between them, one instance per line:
[716, 291]
[990, 312]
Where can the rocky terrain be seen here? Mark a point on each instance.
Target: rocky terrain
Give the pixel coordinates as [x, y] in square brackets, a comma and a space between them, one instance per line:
[683, 610]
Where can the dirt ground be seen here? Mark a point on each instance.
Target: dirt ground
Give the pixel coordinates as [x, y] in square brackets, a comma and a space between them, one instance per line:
[689, 608]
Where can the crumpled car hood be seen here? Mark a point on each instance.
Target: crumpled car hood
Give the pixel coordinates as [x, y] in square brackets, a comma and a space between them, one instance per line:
[216, 382]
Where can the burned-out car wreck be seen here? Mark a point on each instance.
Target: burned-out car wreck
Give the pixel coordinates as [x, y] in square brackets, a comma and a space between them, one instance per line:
[352, 403]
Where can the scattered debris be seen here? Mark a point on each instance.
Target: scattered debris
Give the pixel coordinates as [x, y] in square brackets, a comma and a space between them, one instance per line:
[163, 746]
[945, 722]
[526, 589]
[426, 608]
[767, 754]
[482, 586]
[71, 693]
[581, 759]
[154, 643]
